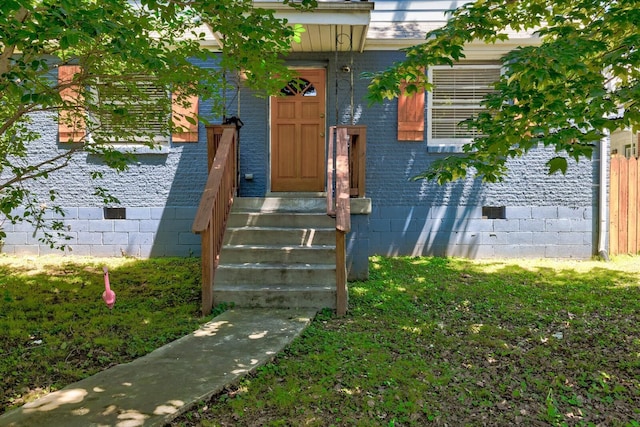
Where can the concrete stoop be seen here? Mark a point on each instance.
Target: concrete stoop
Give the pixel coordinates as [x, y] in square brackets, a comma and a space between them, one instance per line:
[279, 252]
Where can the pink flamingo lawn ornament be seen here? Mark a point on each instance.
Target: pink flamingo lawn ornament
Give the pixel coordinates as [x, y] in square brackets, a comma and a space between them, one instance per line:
[108, 295]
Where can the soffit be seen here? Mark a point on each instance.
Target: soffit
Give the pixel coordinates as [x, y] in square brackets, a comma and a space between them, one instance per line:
[331, 26]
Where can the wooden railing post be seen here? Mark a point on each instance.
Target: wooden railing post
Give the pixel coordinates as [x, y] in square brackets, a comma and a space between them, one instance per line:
[346, 166]
[208, 269]
[343, 218]
[341, 274]
[357, 153]
[357, 159]
[343, 205]
[214, 135]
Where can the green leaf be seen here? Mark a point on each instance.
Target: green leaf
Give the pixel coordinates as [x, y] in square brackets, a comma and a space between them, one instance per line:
[298, 29]
[557, 164]
[64, 42]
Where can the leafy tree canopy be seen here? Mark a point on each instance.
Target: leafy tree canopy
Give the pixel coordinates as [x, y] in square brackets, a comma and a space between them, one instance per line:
[581, 81]
[117, 44]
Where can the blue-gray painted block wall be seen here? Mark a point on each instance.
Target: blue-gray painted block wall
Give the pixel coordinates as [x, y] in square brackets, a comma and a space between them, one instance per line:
[546, 215]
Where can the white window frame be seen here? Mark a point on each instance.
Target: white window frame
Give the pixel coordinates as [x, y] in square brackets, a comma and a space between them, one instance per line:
[453, 144]
[630, 151]
[161, 141]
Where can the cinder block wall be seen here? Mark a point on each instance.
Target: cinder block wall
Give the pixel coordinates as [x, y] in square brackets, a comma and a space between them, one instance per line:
[146, 232]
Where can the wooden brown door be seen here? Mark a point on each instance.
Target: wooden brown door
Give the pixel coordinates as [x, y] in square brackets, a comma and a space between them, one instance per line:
[297, 134]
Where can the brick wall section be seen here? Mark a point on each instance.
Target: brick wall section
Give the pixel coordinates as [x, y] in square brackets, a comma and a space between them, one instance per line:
[546, 216]
[459, 232]
[254, 144]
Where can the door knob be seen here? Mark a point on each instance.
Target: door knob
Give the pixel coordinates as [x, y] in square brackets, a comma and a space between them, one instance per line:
[322, 115]
[321, 133]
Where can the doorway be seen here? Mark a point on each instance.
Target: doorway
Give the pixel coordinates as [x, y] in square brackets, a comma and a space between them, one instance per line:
[298, 134]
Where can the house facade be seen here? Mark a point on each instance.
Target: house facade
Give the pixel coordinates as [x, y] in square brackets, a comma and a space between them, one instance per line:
[283, 145]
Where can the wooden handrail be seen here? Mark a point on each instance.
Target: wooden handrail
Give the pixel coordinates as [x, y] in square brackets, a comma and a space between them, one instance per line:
[343, 218]
[331, 207]
[215, 205]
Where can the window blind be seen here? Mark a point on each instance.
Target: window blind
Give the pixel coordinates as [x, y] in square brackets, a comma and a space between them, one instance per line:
[456, 96]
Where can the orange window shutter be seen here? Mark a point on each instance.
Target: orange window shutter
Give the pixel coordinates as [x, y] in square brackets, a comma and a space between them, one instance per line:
[71, 124]
[188, 131]
[411, 116]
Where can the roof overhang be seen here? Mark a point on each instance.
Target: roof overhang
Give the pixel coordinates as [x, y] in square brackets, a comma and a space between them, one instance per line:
[330, 26]
[403, 35]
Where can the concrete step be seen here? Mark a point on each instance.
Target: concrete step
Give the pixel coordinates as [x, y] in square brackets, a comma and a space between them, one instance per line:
[279, 236]
[279, 252]
[279, 204]
[281, 275]
[234, 254]
[281, 220]
[300, 296]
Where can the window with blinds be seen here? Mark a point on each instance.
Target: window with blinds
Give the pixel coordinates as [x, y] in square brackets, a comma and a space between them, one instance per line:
[456, 95]
[127, 114]
[143, 108]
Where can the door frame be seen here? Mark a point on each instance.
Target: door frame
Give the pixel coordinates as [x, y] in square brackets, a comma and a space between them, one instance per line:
[293, 67]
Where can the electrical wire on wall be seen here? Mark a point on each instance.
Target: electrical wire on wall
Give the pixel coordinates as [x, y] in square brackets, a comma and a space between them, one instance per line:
[337, 106]
[341, 40]
[224, 95]
[234, 119]
[351, 112]
[239, 82]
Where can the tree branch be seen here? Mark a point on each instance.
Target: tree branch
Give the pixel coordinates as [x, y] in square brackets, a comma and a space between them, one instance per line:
[5, 56]
[29, 171]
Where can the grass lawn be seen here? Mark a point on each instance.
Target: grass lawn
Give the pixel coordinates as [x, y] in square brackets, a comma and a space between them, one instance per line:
[427, 341]
[55, 328]
[432, 341]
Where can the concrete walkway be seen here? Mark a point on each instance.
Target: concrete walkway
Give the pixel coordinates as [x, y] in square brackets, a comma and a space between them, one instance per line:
[158, 387]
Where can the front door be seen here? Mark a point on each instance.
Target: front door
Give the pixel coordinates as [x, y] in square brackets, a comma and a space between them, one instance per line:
[297, 134]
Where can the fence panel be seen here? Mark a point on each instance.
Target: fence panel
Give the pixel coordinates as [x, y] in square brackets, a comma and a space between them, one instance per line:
[624, 202]
[632, 212]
